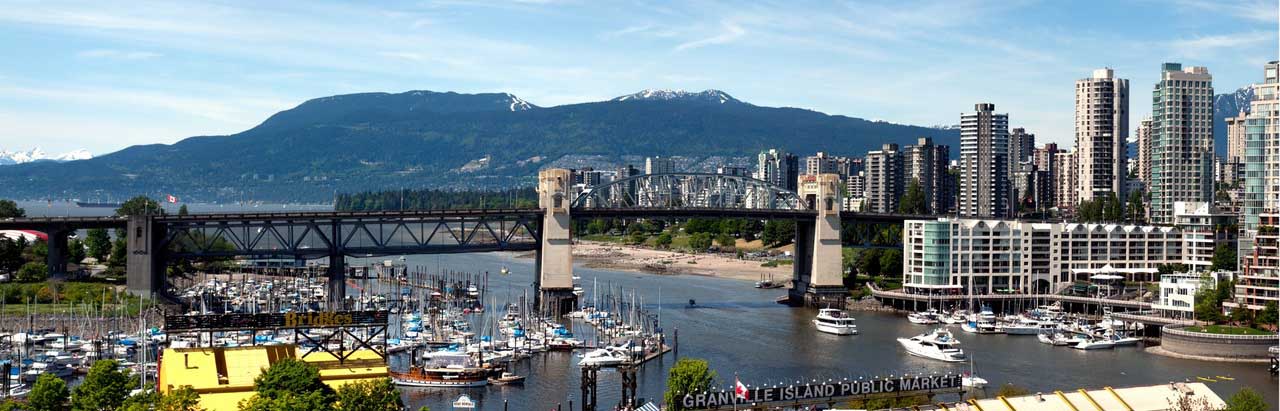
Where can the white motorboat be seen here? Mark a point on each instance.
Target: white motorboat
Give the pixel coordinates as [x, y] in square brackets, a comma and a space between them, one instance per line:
[925, 317]
[1045, 338]
[1118, 340]
[938, 344]
[833, 321]
[603, 357]
[1095, 344]
[973, 381]
[1027, 326]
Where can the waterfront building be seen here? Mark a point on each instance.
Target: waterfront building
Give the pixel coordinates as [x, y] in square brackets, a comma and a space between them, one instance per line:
[1177, 295]
[1262, 148]
[988, 256]
[659, 165]
[1182, 139]
[1143, 167]
[926, 163]
[884, 179]
[1203, 228]
[984, 163]
[1259, 280]
[1102, 128]
[779, 168]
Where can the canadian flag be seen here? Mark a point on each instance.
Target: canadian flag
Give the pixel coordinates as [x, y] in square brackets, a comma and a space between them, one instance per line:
[172, 199]
[739, 390]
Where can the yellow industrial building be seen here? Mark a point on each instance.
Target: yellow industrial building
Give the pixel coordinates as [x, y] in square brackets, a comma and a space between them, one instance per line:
[224, 376]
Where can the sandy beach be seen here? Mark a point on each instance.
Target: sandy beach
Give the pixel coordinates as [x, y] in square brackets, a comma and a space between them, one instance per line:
[648, 260]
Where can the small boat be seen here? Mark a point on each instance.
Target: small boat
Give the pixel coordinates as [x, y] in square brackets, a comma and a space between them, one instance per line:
[938, 345]
[973, 381]
[925, 317]
[1094, 344]
[1206, 379]
[604, 357]
[1118, 340]
[507, 379]
[833, 321]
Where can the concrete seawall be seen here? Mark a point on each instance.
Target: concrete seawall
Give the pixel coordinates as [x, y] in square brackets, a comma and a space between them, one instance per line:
[1177, 341]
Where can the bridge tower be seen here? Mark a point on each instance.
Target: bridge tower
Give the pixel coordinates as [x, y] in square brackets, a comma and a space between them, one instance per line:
[144, 272]
[819, 272]
[554, 263]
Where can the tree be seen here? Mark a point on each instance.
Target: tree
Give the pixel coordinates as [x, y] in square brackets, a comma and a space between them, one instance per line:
[726, 240]
[118, 253]
[1112, 210]
[1224, 258]
[778, 233]
[377, 395]
[1269, 315]
[33, 272]
[11, 254]
[105, 387]
[10, 209]
[184, 398]
[700, 241]
[140, 205]
[689, 375]
[98, 243]
[48, 394]
[1246, 400]
[913, 201]
[1208, 307]
[869, 261]
[598, 226]
[663, 240]
[891, 263]
[75, 250]
[1136, 210]
[182, 210]
[289, 384]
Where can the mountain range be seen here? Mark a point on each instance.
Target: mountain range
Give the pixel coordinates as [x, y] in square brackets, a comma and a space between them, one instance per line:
[421, 139]
[37, 154]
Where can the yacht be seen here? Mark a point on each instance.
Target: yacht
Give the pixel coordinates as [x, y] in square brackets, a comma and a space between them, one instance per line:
[938, 344]
[449, 376]
[833, 321]
[1027, 326]
[1094, 344]
[604, 357]
[1121, 340]
[924, 317]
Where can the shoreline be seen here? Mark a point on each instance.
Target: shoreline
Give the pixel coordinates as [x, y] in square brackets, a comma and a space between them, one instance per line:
[608, 256]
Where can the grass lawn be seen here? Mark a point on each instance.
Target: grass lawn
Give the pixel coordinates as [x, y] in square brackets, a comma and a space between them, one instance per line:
[1227, 329]
[23, 309]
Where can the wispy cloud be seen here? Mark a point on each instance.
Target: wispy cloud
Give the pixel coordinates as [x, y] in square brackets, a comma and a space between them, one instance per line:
[1262, 11]
[626, 31]
[1203, 46]
[730, 31]
[117, 54]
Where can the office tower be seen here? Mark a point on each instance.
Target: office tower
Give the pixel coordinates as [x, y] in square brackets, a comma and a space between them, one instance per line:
[821, 163]
[1102, 128]
[659, 165]
[1021, 145]
[926, 163]
[884, 185]
[984, 163]
[1143, 169]
[779, 168]
[1181, 139]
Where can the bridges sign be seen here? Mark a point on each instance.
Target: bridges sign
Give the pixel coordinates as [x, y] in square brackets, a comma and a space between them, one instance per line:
[827, 392]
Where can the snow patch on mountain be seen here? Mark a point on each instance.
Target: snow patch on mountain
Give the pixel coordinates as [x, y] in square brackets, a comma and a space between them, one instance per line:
[37, 154]
[706, 96]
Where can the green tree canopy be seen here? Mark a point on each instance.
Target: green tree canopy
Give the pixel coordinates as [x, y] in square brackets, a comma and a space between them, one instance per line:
[376, 395]
[75, 250]
[1136, 209]
[1246, 400]
[725, 240]
[182, 210]
[778, 233]
[1269, 315]
[290, 384]
[689, 375]
[663, 240]
[913, 201]
[8, 209]
[98, 243]
[33, 272]
[1224, 258]
[105, 387]
[48, 394]
[140, 205]
[700, 241]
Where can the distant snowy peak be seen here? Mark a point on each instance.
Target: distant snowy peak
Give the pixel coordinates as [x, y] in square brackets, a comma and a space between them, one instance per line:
[705, 96]
[36, 154]
[517, 104]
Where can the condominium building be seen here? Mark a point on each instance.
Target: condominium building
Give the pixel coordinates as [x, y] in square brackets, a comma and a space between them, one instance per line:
[985, 256]
[1259, 280]
[659, 165]
[1235, 136]
[1021, 146]
[1065, 180]
[1102, 129]
[884, 179]
[821, 163]
[1177, 295]
[1182, 139]
[926, 164]
[1204, 227]
[1143, 168]
[984, 163]
[779, 168]
[1262, 149]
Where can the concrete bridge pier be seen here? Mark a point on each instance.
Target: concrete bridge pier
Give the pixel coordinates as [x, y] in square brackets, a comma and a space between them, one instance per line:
[56, 259]
[336, 287]
[819, 271]
[554, 264]
[145, 259]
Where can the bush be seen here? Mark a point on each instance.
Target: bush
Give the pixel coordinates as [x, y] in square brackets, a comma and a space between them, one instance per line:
[33, 272]
[663, 240]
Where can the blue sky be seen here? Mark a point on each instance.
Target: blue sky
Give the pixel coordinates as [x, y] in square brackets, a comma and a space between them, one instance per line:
[102, 75]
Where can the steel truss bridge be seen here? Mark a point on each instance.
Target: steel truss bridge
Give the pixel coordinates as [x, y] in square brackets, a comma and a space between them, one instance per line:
[155, 240]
